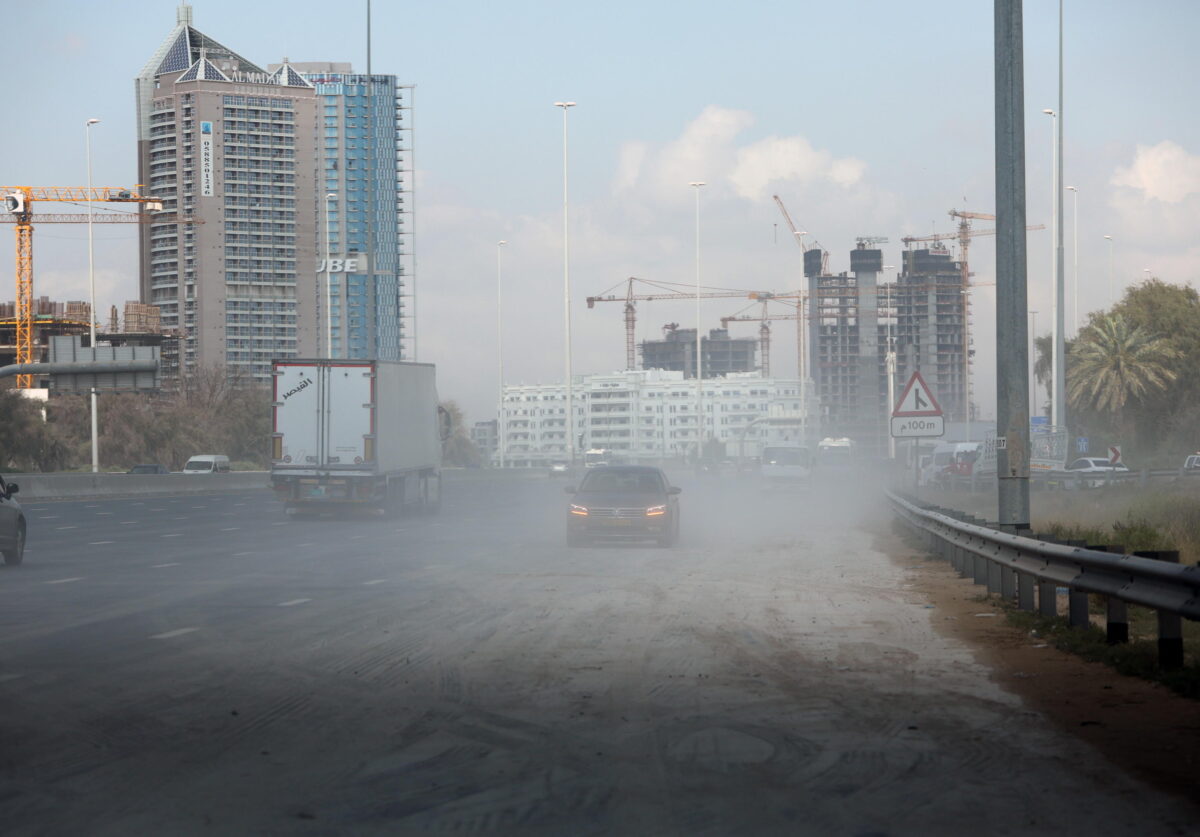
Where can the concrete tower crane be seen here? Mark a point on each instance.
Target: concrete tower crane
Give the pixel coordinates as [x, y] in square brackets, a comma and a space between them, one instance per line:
[19, 201]
[667, 290]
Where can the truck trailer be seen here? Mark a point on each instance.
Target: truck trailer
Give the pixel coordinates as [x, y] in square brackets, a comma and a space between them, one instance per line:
[356, 433]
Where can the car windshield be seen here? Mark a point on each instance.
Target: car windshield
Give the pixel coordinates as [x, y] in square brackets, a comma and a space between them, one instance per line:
[785, 456]
[618, 481]
[198, 465]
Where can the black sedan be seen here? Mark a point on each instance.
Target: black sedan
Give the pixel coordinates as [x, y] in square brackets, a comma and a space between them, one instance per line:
[624, 502]
[148, 469]
[12, 525]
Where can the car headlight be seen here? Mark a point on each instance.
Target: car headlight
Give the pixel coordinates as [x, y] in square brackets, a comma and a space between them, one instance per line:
[656, 511]
[579, 510]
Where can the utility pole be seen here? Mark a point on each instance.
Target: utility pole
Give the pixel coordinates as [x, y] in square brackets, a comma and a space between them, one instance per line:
[1012, 354]
[1059, 405]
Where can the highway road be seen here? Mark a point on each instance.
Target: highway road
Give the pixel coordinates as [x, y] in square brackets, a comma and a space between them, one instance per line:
[203, 665]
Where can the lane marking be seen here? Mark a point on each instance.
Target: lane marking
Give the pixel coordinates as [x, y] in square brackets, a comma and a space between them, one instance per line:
[60, 528]
[127, 522]
[240, 554]
[280, 523]
[231, 529]
[357, 537]
[184, 517]
[176, 632]
[49, 517]
[374, 581]
[160, 566]
[93, 506]
[5, 678]
[66, 580]
[199, 507]
[99, 513]
[43, 508]
[294, 602]
[99, 543]
[174, 535]
[157, 510]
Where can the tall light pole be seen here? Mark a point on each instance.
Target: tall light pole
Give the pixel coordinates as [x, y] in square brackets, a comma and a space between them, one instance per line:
[802, 343]
[696, 185]
[500, 354]
[332, 196]
[1075, 258]
[570, 449]
[1057, 389]
[890, 366]
[92, 290]
[1111, 298]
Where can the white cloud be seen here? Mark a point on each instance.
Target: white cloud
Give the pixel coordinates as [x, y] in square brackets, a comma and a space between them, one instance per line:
[707, 150]
[1165, 172]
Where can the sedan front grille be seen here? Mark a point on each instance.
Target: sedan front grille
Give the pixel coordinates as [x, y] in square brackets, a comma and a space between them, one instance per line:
[593, 512]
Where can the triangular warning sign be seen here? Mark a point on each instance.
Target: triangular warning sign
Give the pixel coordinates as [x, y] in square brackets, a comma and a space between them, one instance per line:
[917, 399]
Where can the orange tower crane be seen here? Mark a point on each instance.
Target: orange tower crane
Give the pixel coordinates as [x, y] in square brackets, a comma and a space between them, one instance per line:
[18, 201]
[666, 290]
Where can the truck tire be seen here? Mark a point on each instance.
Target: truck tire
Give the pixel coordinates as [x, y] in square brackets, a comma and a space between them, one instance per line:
[13, 557]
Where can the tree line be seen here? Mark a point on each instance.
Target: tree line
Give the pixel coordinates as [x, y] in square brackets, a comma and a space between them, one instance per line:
[1131, 373]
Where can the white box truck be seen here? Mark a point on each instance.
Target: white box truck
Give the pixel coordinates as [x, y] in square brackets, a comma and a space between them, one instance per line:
[356, 433]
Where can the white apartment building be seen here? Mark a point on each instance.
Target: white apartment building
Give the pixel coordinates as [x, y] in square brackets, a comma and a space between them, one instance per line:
[648, 416]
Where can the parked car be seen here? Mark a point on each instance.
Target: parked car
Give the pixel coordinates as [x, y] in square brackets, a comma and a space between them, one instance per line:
[559, 469]
[207, 463]
[149, 469]
[1095, 469]
[625, 502]
[1192, 463]
[12, 525]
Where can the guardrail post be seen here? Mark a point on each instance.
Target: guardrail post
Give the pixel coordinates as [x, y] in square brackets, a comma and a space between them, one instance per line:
[1144, 477]
[1170, 625]
[1077, 601]
[1116, 616]
[1008, 576]
[1047, 590]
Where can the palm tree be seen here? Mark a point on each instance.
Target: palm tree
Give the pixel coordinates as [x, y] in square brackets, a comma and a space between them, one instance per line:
[1114, 364]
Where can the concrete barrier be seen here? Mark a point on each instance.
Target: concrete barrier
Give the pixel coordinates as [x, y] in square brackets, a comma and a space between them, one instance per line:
[69, 486]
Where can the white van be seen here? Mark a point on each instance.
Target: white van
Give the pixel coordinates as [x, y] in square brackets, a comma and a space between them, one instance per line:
[207, 463]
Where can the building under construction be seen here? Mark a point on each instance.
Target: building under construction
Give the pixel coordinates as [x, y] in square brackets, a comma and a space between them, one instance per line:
[853, 317]
[720, 354]
[140, 326]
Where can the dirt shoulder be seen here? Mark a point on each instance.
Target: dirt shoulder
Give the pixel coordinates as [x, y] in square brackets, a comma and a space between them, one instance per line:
[1143, 727]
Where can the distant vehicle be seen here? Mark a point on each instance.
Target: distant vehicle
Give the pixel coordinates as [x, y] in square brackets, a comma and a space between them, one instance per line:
[625, 502]
[357, 434]
[952, 459]
[597, 457]
[559, 469]
[1096, 467]
[149, 469]
[836, 453]
[786, 465]
[207, 463]
[1192, 463]
[12, 525]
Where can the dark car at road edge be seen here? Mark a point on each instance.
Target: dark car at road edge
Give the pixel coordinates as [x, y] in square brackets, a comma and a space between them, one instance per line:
[623, 502]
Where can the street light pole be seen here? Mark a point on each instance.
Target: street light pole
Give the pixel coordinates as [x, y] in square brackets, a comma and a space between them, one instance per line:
[1075, 258]
[1057, 413]
[92, 291]
[1111, 299]
[500, 353]
[570, 447]
[696, 184]
[332, 196]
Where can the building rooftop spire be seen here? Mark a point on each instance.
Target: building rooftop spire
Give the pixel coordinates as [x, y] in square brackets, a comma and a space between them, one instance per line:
[183, 15]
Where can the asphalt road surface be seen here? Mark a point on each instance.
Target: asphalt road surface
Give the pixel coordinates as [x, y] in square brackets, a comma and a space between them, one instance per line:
[203, 665]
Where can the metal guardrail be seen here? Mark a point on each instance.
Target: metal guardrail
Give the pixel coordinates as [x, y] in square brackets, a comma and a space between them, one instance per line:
[1017, 566]
[1067, 481]
[70, 486]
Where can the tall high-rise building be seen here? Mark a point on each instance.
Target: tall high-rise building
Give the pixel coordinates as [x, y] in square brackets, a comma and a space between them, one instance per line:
[254, 155]
[365, 182]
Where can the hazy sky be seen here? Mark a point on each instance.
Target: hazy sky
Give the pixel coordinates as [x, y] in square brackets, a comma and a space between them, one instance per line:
[868, 118]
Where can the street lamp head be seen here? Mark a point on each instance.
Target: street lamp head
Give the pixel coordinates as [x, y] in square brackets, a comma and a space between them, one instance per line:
[697, 183]
[92, 122]
[332, 196]
[1049, 112]
[1109, 237]
[1071, 189]
[501, 243]
[564, 105]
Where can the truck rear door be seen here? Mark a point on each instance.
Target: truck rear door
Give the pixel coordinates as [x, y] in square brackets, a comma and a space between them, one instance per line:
[350, 415]
[298, 414]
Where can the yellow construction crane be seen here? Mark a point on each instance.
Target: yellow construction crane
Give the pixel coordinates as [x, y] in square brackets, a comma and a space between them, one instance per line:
[19, 201]
[666, 290]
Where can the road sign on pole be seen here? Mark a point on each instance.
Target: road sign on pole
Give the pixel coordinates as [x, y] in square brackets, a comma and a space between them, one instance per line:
[917, 414]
